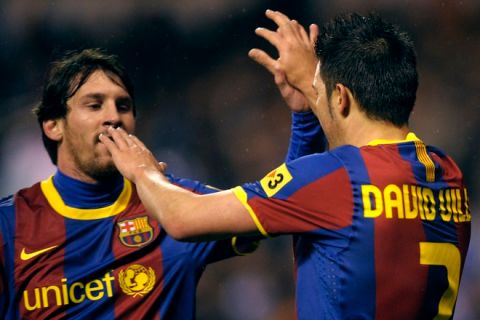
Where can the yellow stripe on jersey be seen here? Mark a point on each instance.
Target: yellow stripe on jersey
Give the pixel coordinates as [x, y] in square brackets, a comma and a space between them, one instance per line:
[254, 246]
[425, 159]
[242, 196]
[410, 137]
[422, 154]
[56, 201]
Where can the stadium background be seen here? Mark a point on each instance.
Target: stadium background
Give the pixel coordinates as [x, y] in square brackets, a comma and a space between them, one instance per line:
[214, 115]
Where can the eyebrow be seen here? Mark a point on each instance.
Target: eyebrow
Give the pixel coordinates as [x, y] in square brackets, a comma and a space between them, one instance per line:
[99, 96]
[96, 96]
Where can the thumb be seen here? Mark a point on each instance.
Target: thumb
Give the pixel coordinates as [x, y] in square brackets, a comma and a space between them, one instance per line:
[314, 31]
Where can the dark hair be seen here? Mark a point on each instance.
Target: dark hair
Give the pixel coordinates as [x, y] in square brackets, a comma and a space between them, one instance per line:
[375, 60]
[65, 77]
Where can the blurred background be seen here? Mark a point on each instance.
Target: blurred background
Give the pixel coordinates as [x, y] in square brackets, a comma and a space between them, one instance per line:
[214, 115]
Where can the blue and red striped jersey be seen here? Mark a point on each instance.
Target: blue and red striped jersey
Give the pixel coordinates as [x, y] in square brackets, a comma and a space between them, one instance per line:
[380, 232]
[109, 262]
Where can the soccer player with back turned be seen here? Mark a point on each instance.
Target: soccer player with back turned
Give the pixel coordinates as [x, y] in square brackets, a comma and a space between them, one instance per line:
[380, 222]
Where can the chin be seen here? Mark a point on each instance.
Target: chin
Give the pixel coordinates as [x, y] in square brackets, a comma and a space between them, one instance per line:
[103, 171]
[105, 174]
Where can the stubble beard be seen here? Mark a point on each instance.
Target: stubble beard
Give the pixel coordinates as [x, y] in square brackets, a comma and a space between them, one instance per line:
[96, 169]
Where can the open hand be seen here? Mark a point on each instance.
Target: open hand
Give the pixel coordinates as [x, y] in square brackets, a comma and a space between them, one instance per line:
[294, 69]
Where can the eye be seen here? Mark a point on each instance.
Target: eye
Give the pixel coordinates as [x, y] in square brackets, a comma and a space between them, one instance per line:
[95, 106]
[124, 105]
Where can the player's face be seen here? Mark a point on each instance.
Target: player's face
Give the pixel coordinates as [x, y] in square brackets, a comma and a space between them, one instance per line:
[102, 101]
[322, 107]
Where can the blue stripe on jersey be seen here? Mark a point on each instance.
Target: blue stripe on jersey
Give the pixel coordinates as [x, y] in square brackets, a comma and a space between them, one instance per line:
[179, 280]
[309, 172]
[7, 231]
[361, 251]
[435, 231]
[90, 237]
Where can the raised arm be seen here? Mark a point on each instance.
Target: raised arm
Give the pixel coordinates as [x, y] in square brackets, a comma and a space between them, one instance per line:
[183, 214]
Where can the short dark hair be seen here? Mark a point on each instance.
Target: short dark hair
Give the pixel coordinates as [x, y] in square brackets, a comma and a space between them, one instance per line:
[65, 77]
[375, 60]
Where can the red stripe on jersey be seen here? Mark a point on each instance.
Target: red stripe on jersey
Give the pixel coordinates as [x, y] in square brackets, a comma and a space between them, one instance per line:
[450, 171]
[397, 268]
[313, 206]
[129, 303]
[37, 258]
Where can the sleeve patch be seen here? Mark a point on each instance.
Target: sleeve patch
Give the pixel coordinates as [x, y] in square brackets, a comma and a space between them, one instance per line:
[275, 180]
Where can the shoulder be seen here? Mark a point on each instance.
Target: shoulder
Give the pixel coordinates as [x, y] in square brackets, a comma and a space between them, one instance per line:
[6, 204]
[323, 162]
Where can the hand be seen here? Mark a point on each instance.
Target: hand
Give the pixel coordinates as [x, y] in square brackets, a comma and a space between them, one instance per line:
[294, 70]
[130, 155]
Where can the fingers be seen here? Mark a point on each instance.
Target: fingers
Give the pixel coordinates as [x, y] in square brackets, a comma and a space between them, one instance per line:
[120, 137]
[314, 32]
[263, 58]
[277, 17]
[286, 29]
[111, 146]
[271, 36]
[135, 141]
[280, 80]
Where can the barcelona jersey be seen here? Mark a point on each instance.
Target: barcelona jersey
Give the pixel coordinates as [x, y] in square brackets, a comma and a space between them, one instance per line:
[110, 262]
[380, 232]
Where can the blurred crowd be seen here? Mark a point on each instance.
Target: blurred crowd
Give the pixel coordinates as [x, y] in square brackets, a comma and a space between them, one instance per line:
[214, 115]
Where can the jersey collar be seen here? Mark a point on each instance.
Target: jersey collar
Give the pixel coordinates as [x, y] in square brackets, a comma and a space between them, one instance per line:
[409, 138]
[57, 203]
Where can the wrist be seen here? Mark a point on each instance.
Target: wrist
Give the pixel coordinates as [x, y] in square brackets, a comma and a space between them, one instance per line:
[143, 173]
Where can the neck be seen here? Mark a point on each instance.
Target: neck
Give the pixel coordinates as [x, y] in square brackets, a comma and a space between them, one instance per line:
[361, 133]
[81, 194]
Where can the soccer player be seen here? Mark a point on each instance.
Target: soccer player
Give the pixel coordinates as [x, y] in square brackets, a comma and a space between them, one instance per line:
[380, 222]
[80, 245]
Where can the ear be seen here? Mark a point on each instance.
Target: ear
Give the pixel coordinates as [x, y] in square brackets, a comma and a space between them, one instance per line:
[53, 129]
[343, 99]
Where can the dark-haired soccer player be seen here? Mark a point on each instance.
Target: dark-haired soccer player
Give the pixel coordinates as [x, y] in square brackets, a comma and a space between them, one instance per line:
[80, 245]
[380, 222]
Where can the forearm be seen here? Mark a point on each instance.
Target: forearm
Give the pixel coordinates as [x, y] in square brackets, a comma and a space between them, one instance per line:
[183, 214]
[306, 136]
[188, 216]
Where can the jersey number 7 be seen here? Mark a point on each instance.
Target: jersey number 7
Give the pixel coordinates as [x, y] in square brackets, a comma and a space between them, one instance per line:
[447, 255]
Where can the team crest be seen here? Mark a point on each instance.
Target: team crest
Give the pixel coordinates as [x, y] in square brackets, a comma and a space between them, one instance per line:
[136, 280]
[276, 180]
[136, 232]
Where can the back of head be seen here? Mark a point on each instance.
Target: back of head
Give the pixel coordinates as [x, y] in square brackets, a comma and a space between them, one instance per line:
[65, 77]
[375, 60]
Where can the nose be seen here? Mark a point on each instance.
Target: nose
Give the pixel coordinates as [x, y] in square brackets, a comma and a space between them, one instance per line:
[111, 115]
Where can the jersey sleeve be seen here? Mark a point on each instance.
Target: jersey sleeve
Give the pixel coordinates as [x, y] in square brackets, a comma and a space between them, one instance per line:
[192, 185]
[7, 221]
[304, 195]
[306, 136]
[211, 251]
